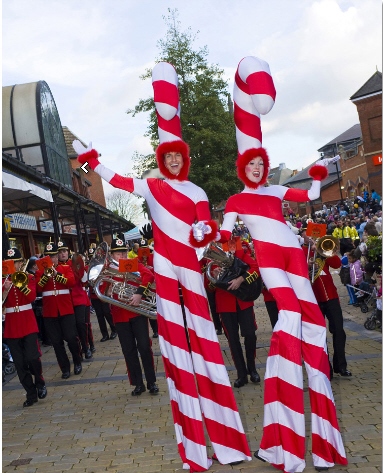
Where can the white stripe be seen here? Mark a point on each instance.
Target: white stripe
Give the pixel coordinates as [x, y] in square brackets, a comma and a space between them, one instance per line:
[270, 230]
[326, 431]
[165, 136]
[104, 172]
[176, 356]
[184, 400]
[245, 141]
[279, 367]
[193, 451]
[279, 456]
[166, 111]
[278, 413]
[204, 328]
[229, 221]
[20, 308]
[319, 382]
[243, 101]
[314, 335]
[318, 461]
[170, 311]
[217, 373]
[227, 455]
[314, 192]
[302, 287]
[222, 415]
[289, 322]
[166, 72]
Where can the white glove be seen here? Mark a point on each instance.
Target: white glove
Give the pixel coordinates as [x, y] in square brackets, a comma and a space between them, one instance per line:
[327, 161]
[200, 229]
[79, 148]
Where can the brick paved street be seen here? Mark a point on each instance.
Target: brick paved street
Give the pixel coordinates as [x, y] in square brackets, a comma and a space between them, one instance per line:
[90, 423]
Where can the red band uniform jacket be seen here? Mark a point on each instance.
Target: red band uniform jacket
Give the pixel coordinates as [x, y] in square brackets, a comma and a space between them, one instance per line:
[226, 301]
[20, 319]
[79, 290]
[323, 287]
[57, 299]
[123, 315]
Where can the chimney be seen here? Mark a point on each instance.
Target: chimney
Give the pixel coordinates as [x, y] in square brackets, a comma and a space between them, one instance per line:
[282, 166]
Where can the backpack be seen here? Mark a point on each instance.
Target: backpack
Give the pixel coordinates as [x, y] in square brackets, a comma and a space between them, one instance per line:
[344, 274]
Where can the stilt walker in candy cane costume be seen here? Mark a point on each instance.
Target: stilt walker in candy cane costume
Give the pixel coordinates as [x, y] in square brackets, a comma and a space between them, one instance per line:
[198, 383]
[300, 332]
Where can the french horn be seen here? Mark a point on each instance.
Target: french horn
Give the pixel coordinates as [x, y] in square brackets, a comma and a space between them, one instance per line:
[231, 268]
[103, 270]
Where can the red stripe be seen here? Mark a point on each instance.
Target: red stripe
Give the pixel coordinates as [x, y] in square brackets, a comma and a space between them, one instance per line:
[240, 83]
[247, 123]
[192, 428]
[183, 380]
[275, 435]
[167, 289]
[325, 450]
[166, 92]
[218, 393]
[297, 195]
[175, 335]
[227, 436]
[311, 313]
[261, 83]
[316, 357]
[121, 182]
[178, 253]
[210, 351]
[196, 303]
[172, 126]
[285, 296]
[277, 390]
[323, 407]
[256, 205]
[287, 346]
[203, 210]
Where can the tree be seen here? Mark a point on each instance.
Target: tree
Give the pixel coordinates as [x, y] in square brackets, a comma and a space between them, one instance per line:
[206, 118]
[125, 205]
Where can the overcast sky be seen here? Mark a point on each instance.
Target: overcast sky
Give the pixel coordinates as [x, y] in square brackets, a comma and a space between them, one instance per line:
[92, 52]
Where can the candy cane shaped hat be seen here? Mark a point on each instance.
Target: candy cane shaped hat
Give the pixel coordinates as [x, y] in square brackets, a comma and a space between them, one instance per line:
[254, 95]
[167, 103]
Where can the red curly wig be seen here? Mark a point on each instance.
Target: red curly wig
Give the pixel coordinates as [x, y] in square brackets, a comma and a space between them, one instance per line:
[245, 158]
[177, 146]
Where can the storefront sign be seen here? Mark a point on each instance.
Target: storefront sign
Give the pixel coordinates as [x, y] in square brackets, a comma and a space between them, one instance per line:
[47, 226]
[7, 224]
[22, 221]
[377, 160]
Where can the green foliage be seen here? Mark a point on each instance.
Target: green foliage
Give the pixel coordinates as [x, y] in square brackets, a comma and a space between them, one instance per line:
[374, 248]
[207, 124]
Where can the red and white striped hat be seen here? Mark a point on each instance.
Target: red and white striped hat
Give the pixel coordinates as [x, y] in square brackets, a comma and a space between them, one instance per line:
[254, 95]
[167, 103]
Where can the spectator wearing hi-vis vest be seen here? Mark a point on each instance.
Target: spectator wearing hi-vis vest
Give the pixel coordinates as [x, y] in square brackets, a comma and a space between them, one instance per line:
[343, 232]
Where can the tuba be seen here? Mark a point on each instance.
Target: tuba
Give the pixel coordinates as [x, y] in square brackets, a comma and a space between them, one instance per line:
[326, 246]
[232, 268]
[103, 270]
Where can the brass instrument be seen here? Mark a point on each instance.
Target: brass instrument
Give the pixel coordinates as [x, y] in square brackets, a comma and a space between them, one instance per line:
[78, 265]
[49, 272]
[227, 262]
[19, 279]
[325, 247]
[103, 270]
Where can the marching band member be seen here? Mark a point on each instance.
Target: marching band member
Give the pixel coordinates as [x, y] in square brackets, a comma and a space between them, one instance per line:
[133, 329]
[198, 382]
[80, 298]
[328, 300]
[58, 311]
[21, 332]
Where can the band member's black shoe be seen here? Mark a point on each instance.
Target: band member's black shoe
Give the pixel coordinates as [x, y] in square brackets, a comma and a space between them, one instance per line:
[113, 335]
[138, 390]
[214, 457]
[77, 369]
[65, 375]
[238, 383]
[104, 338]
[153, 388]
[155, 335]
[254, 376]
[29, 402]
[321, 468]
[344, 372]
[88, 354]
[92, 348]
[42, 392]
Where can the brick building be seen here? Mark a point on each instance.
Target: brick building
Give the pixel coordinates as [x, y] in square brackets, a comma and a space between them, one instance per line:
[368, 101]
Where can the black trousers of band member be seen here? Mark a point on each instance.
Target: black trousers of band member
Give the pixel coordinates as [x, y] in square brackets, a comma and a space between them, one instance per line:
[103, 314]
[216, 320]
[89, 327]
[272, 310]
[154, 325]
[245, 321]
[134, 338]
[64, 328]
[26, 355]
[332, 310]
[81, 325]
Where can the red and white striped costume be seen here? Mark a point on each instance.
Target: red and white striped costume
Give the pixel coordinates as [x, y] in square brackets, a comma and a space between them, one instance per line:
[301, 330]
[198, 382]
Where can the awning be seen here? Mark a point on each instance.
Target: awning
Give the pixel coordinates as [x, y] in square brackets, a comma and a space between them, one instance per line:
[133, 234]
[15, 188]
